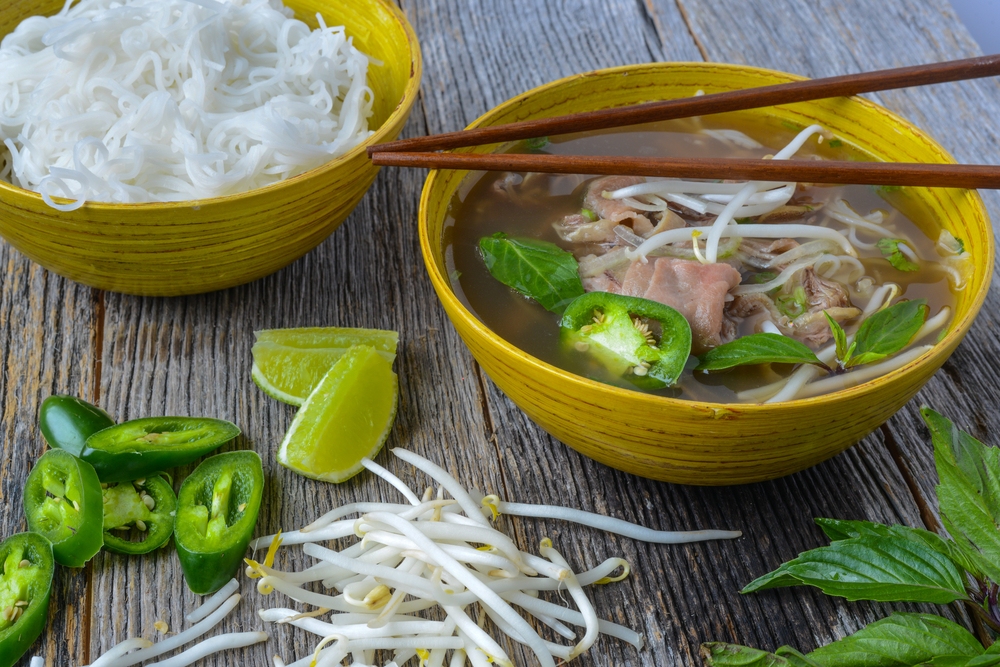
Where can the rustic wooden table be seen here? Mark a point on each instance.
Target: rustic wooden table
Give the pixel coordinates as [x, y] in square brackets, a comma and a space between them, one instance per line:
[191, 356]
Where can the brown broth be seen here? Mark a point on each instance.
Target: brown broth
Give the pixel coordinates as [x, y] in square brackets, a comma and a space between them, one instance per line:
[477, 210]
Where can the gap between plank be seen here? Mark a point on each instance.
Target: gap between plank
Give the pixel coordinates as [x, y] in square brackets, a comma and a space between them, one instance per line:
[95, 396]
[687, 22]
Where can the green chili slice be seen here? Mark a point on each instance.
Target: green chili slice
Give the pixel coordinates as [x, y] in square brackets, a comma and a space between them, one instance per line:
[26, 569]
[142, 447]
[216, 514]
[139, 515]
[62, 501]
[644, 341]
[67, 422]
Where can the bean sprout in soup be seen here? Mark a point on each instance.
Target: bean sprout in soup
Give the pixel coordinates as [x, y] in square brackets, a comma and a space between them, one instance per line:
[777, 258]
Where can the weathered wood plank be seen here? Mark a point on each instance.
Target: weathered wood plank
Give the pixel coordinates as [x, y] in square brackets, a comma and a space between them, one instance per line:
[47, 343]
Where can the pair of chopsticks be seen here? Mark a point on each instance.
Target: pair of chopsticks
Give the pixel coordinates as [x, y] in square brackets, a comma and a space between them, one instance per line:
[416, 152]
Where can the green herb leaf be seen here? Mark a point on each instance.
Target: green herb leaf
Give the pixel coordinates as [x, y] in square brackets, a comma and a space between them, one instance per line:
[794, 127]
[536, 144]
[761, 348]
[888, 331]
[537, 269]
[743, 221]
[885, 188]
[901, 639]
[794, 304]
[873, 567]
[588, 214]
[835, 143]
[720, 654]
[890, 248]
[840, 338]
[961, 245]
[968, 493]
[762, 277]
[842, 530]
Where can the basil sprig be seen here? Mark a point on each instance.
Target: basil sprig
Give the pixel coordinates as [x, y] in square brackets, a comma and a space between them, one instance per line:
[886, 332]
[872, 561]
[537, 269]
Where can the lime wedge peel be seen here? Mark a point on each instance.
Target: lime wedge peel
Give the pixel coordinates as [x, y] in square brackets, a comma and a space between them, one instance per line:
[346, 418]
[289, 363]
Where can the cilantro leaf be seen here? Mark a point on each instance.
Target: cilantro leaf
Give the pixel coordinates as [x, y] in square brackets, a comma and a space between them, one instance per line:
[890, 248]
[537, 269]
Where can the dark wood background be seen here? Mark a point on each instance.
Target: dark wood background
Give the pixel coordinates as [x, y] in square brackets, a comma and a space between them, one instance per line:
[191, 356]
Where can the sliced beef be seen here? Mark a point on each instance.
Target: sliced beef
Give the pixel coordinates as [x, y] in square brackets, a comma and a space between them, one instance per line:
[698, 291]
[578, 228]
[615, 209]
[809, 326]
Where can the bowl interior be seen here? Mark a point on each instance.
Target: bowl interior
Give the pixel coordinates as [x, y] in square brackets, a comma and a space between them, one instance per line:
[872, 130]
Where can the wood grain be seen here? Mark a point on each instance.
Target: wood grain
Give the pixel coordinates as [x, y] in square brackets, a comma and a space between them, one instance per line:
[191, 356]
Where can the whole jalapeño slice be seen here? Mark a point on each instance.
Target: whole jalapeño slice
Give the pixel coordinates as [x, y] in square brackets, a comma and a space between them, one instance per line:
[62, 501]
[26, 569]
[141, 447]
[646, 342]
[216, 513]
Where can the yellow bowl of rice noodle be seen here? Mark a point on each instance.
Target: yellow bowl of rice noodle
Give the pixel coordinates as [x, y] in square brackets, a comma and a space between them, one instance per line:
[713, 443]
[199, 245]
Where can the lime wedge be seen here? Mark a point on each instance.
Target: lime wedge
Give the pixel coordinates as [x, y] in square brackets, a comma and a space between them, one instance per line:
[325, 337]
[289, 363]
[347, 417]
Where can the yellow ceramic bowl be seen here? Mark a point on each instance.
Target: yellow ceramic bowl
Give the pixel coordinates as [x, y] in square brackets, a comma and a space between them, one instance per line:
[209, 244]
[710, 443]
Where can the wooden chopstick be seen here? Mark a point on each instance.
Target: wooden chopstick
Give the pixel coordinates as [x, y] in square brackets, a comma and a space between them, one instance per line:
[750, 98]
[805, 171]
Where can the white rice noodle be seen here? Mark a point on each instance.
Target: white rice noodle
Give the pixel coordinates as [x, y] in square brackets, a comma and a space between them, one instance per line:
[863, 373]
[168, 100]
[775, 231]
[782, 278]
[830, 265]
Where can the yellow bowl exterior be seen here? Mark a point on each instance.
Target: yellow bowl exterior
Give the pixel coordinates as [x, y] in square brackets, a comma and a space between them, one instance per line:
[694, 442]
[198, 246]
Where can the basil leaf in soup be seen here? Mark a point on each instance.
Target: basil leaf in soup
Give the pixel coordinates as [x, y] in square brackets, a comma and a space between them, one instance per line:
[888, 331]
[537, 269]
[761, 348]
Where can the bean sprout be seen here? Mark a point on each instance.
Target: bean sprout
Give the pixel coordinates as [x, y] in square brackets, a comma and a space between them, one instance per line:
[445, 554]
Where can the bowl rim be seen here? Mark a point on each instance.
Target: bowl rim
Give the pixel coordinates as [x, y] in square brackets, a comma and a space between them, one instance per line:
[944, 346]
[401, 109]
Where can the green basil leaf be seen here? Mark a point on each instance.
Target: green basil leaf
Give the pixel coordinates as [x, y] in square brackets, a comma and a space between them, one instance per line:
[721, 654]
[968, 492]
[537, 269]
[899, 641]
[902, 640]
[890, 248]
[985, 660]
[888, 331]
[873, 567]
[842, 530]
[761, 348]
[840, 338]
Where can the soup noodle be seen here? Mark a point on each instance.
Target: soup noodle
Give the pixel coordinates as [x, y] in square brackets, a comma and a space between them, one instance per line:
[735, 258]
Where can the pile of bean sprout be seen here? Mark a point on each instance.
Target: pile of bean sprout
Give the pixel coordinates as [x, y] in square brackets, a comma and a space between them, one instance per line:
[167, 100]
[427, 574]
